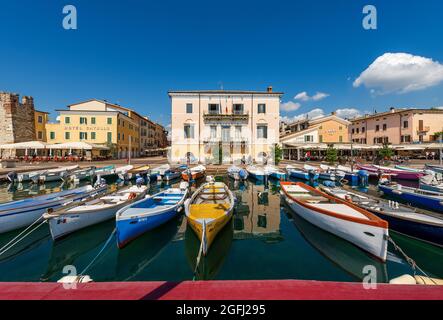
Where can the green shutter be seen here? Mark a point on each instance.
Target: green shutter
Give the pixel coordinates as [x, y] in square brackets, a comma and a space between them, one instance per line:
[110, 137]
[109, 120]
[92, 135]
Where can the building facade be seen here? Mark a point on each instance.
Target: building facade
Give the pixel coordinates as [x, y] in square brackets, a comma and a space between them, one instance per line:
[17, 118]
[224, 126]
[397, 126]
[40, 120]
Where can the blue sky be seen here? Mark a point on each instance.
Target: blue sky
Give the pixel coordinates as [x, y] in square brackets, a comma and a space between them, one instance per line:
[132, 52]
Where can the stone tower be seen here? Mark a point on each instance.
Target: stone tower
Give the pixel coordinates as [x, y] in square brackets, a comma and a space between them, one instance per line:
[16, 118]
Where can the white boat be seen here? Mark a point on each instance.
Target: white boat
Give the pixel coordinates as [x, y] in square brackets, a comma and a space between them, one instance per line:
[337, 174]
[93, 211]
[237, 173]
[123, 172]
[275, 172]
[80, 174]
[45, 175]
[159, 172]
[323, 174]
[22, 213]
[345, 220]
[256, 172]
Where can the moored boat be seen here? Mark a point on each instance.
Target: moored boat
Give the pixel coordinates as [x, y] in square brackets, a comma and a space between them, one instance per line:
[302, 174]
[91, 212]
[208, 210]
[430, 200]
[80, 174]
[432, 181]
[22, 213]
[194, 173]
[402, 219]
[404, 168]
[275, 172]
[123, 173]
[144, 215]
[345, 220]
[256, 173]
[322, 174]
[434, 167]
[396, 173]
[237, 173]
[105, 172]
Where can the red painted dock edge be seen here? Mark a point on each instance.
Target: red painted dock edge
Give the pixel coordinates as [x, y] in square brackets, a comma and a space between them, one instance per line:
[218, 290]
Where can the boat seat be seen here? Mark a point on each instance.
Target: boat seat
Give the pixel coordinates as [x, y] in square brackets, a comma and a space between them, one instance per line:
[166, 198]
[208, 210]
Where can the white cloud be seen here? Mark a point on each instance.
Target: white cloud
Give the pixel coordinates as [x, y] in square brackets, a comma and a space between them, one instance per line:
[290, 106]
[348, 113]
[401, 73]
[313, 114]
[304, 96]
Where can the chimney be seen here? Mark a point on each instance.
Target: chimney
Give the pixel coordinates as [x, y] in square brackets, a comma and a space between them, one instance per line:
[392, 109]
[269, 89]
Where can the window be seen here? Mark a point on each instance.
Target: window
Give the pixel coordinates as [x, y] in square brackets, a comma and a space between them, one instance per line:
[340, 139]
[52, 135]
[386, 140]
[385, 127]
[123, 136]
[238, 132]
[377, 128]
[110, 121]
[109, 137]
[262, 132]
[189, 108]
[340, 128]
[67, 120]
[214, 108]
[405, 124]
[309, 138]
[92, 135]
[321, 127]
[189, 131]
[238, 108]
[213, 133]
[226, 133]
[118, 136]
[39, 135]
[40, 119]
[67, 135]
[83, 135]
[261, 108]
[83, 120]
[93, 120]
[363, 130]
[358, 130]
[320, 138]
[353, 131]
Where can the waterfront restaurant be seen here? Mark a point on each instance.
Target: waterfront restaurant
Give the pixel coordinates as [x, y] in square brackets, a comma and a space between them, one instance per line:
[224, 126]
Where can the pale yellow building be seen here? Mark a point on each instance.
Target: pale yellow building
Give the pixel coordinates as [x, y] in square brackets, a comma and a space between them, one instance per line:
[40, 120]
[213, 126]
[98, 122]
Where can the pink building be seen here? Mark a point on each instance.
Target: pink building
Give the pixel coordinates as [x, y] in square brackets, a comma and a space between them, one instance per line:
[397, 126]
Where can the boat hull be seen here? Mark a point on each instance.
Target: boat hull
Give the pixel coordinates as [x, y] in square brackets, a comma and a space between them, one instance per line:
[130, 229]
[171, 176]
[433, 204]
[65, 224]
[327, 176]
[369, 238]
[194, 176]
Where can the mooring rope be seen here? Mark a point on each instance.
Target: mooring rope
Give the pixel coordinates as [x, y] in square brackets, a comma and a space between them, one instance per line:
[200, 251]
[99, 253]
[409, 260]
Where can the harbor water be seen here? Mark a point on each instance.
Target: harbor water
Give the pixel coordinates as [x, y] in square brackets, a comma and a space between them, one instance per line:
[265, 240]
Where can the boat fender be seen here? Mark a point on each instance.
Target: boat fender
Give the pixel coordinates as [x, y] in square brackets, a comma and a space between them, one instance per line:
[75, 279]
[428, 281]
[404, 279]
[132, 196]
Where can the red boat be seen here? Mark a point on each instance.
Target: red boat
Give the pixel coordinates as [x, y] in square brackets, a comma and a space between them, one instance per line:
[196, 173]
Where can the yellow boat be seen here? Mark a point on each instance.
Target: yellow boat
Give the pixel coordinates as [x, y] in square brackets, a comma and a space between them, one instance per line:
[140, 170]
[208, 210]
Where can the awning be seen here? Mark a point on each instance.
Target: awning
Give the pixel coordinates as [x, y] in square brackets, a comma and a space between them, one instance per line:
[409, 147]
[76, 146]
[24, 145]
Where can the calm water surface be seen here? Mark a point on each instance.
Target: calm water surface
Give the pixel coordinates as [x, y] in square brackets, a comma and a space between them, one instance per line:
[264, 241]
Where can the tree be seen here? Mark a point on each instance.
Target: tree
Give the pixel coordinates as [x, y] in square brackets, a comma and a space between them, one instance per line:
[278, 154]
[113, 149]
[331, 155]
[386, 152]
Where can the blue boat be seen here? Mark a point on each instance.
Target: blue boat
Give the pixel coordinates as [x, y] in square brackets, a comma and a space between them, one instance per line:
[301, 174]
[430, 200]
[435, 168]
[275, 172]
[256, 173]
[149, 213]
[402, 219]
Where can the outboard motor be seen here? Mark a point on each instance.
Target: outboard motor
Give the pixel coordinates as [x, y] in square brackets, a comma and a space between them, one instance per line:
[243, 174]
[12, 176]
[139, 180]
[363, 178]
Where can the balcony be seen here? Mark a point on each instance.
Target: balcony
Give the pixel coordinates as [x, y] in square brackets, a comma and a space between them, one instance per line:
[423, 130]
[226, 117]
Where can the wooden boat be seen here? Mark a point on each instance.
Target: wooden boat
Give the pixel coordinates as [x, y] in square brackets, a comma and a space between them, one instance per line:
[275, 172]
[91, 212]
[22, 213]
[432, 181]
[345, 220]
[434, 167]
[105, 172]
[80, 174]
[336, 174]
[210, 208]
[430, 200]
[256, 173]
[301, 174]
[195, 173]
[322, 174]
[396, 173]
[404, 168]
[123, 172]
[142, 171]
[237, 173]
[402, 219]
[160, 171]
[45, 175]
[144, 215]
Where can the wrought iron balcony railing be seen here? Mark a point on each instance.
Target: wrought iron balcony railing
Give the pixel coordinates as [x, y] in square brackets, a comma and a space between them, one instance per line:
[236, 116]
